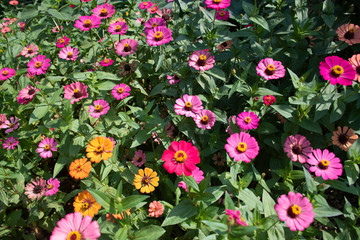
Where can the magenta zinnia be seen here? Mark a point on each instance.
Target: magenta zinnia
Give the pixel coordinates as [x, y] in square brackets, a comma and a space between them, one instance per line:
[85, 23]
[217, 4]
[27, 94]
[145, 5]
[296, 210]
[325, 164]
[297, 148]
[75, 92]
[201, 60]
[52, 186]
[38, 65]
[11, 124]
[205, 119]
[6, 73]
[126, 47]
[10, 143]
[46, 147]
[235, 216]
[158, 36]
[247, 120]
[139, 158]
[188, 106]
[222, 15]
[173, 79]
[62, 42]
[104, 11]
[153, 22]
[242, 147]
[121, 91]
[106, 62]
[337, 70]
[181, 158]
[100, 107]
[269, 69]
[118, 28]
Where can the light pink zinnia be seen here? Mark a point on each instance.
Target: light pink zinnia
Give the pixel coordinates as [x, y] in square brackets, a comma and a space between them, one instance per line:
[69, 53]
[217, 4]
[100, 107]
[247, 120]
[106, 62]
[158, 36]
[46, 147]
[355, 62]
[188, 106]
[173, 79]
[337, 70]
[126, 47]
[35, 189]
[52, 186]
[10, 143]
[75, 92]
[85, 23]
[222, 15]
[62, 42]
[153, 22]
[325, 164]
[269, 69]
[38, 65]
[242, 147]
[73, 226]
[27, 94]
[139, 158]
[296, 210]
[118, 28]
[155, 209]
[12, 124]
[201, 60]
[198, 176]
[205, 119]
[3, 121]
[121, 91]
[30, 50]
[6, 73]
[297, 148]
[145, 5]
[235, 215]
[104, 11]
[56, 29]
[349, 33]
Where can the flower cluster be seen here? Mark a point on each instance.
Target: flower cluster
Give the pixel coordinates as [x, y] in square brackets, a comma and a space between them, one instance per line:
[38, 188]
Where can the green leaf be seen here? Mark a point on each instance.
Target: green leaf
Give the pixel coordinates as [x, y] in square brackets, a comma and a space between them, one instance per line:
[266, 128]
[326, 212]
[352, 171]
[217, 227]
[180, 213]
[229, 204]
[190, 181]
[264, 91]
[285, 110]
[107, 76]
[139, 138]
[3, 197]
[310, 125]
[29, 11]
[58, 15]
[310, 183]
[107, 85]
[250, 199]
[132, 201]
[122, 233]
[55, 96]
[39, 112]
[260, 21]
[207, 14]
[295, 79]
[105, 200]
[337, 111]
[217, 73]
[240, 231]
[159, 62]
[269, 204]
[150, 232]
[60, 164]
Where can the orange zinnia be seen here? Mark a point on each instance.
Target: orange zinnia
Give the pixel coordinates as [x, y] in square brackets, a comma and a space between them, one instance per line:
[99, 148]
[146, 180]
[86, 204]
[117, 216]
[80, 168]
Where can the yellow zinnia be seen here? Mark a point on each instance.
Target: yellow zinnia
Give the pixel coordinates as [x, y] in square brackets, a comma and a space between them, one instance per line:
[146, 180]
[99, 148]
[86, 204]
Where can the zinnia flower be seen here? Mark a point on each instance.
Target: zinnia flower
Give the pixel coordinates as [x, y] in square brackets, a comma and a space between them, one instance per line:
[104, 11]
[344, 137]
[158, 35]
[349, 33]
[46, 147]
[86, 204]
[296, 210]
[35, 189]
[69, 53]
[118, 28]
[188, 106]
[325, 164]
[201, 60]
[80, 168]
[225, 45]
[222, 15]
[75, 92]
[165, 14]
[242, 147]
[269, 99]
[153, 9]
[146, 180]
[100, 107]
[52, 186]
[10, 143]
[355, 62]
[126, 68]
[205, 119]
[269, 69]
[14, 2]
[247, 120]
[217, 4]
[62, 42]
[126, 47]
[74, 227]
[155, 209]
[38, 65]
[3, 121]
[145, 5]
[181, 158]
[85, 23]
[56, 29]
[12, 124]
[6, 73]
[198, 176]
[337, 70]
[153, 22]
[235, 216]
[27, 94]
[297, 148]
[119, 216]
[99, 148]
[30, 50]
[139, 158]
[106, 62]
[173, 79]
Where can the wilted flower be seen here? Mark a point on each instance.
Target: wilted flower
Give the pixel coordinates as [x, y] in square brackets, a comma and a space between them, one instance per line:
[225, 45]
[35, 189]
[173, 79]
[218, 159]
[126, 68]
[344, 137]
[139, 158]
[355, 62]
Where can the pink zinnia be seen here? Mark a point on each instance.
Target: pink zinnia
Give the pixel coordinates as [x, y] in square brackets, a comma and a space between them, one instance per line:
[217, 4]
[181, 158]
[205, 119]
[3, 121]
[62, 42]
[337, 70]
[121, 91]
[69, 53]
[12, 124]
[27, 94]
[6, 73]
[269, 99]
[75, 92]
[188, 106]
[325, 164]
[46, 147]
[106, 62]
[30, 50]
[355, 62]
[35, 189]
[118, 28]
[269, 69]
[73, 226]
[222, 15]
[10, 143]
[85, 23]
[153, 9]
[104, 11]
[145, 5]
[56, 29]
[100, 107]
[242, 147]
[139, 158]
[297, 148]
[198, 176]
[349, 33]
[201, 60]
[155, 209]
[126, 47]
[52, 186]
[158, 36]
[235, 215]
[173, 79]
[296, 210]
[38, 65]
[247, 120]
[153, 22]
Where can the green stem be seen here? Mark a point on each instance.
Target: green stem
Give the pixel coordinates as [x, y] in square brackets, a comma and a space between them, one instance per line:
[93, 47]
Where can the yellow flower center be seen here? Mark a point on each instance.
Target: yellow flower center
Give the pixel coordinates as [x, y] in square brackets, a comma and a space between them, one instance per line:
[242, 147]
[247, 119]
[87, 23]
[38, 64]
[222, 13]
[99, 149]
[47, 147]
[69, 54]
[145, 3]
[85, 205]
[205, 118]
[50, 186]
[5, 72]
[146, 180]
[180, 156]
[80, 167]
[188, 104]
[74, 235]
[118, 27]
[61, 40]
[295, 210]
[29, 50]
[352, 30]
[103, 11]
[120, 90]
[324, 162]
[202, 57]
[154, 25]
[76, 90]
[217, 1]
[271, 67]
[106, 60]
[98, 108]
[158, 35]
[338, 70]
